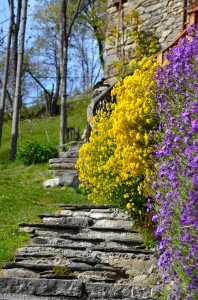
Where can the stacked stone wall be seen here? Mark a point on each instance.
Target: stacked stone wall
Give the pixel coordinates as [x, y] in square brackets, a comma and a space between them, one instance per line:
[163, 17]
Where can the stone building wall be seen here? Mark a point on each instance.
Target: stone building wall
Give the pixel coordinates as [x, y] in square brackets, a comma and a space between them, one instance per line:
[163, 17]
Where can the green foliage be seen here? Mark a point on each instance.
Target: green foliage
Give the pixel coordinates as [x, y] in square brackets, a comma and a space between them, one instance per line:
[61, 271]
[145, 42]
[147, 234]
[132, 275]
[35, 152]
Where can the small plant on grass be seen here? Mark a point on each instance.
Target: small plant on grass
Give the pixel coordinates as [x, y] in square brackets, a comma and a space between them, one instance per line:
[35, 152]
[61, 271]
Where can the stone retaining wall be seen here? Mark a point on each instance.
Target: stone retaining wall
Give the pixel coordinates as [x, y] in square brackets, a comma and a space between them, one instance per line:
[163, 17]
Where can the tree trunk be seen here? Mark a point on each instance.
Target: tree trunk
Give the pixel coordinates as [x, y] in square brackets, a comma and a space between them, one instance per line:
[17, 95]
[63, 74]
[6, 69]
[14, 52]
[56, 93]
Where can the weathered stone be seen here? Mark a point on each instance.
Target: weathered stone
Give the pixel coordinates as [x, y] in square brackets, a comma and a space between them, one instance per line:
[62, 166]
[17, 272]
[166, 33]
[42, 287]
[103, 291]
[51, 182]
[137, 266]
[70, 178]
[70, 259]
[68, 154]
[169, 16]
[142, 292]
[71, 221]
[113, 224]
[91, 276]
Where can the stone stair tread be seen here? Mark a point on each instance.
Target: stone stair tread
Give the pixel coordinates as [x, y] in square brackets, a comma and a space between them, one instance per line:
[133, 241]
[117, 229]
[62, 166]
[41, 287]
[97, 248]
[62, 160]
[27, 297]
[85, 206]
[43, 225]
[82, 222]
[82, 238]
[73, 288]
[68, 154]
[120, 249]
[72, 267]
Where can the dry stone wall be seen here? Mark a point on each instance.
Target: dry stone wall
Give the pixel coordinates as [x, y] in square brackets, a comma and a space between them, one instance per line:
[163, 17]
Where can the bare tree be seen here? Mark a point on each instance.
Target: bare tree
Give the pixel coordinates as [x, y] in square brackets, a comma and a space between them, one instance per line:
[6, 68]
[67, 21]
[14, 48]
[17, 95]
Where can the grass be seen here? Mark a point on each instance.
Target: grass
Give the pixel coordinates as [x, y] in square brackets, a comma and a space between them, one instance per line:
[22, 196]
[44, 129]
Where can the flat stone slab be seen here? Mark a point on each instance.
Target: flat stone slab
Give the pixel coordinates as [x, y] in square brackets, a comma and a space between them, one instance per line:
[117, 291]
[62, 166]
[113, 224]
[41, 287]
[82, 222]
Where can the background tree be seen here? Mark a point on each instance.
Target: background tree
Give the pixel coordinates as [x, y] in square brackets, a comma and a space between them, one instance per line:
[44, 62]
[17, 95]
[6, 67]
[95, 16]
[84, 49]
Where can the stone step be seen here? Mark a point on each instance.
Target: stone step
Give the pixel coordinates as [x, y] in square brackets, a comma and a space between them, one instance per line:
[33, 227]
[62, 160]
[82, 222]
[86, 207]
[125, 241]
[106, 248]
[88, 251]
[93, 214]
[83, 252]
[74, 289]
[69, 154]
[41, 287]
[62, 166]
[71, 266]
[87, 242]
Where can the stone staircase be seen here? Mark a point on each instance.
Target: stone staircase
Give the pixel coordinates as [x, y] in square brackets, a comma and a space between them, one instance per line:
[62, 167]
[83, 252]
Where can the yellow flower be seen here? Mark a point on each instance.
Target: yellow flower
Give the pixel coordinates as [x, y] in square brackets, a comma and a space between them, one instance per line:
[128, 206]
[126, 196]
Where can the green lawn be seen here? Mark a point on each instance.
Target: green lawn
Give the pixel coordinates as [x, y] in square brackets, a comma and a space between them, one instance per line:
[22, 196]
[45, 129]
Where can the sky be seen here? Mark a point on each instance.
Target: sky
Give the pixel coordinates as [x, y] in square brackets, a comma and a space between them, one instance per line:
[4, 13]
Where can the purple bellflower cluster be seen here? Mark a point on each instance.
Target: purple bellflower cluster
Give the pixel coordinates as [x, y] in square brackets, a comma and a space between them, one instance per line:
[176, 179]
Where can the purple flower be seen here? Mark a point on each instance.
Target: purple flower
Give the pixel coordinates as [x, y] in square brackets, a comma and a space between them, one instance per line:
[176, 180]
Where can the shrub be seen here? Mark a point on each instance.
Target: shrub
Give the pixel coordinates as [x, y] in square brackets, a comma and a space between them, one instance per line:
[116, 164]
[35, 152]
[176, 180]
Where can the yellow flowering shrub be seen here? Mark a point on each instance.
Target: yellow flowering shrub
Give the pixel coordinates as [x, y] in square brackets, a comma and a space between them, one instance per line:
[114, 167]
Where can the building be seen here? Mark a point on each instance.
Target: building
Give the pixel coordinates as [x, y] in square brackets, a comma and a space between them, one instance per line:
[166, 18]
